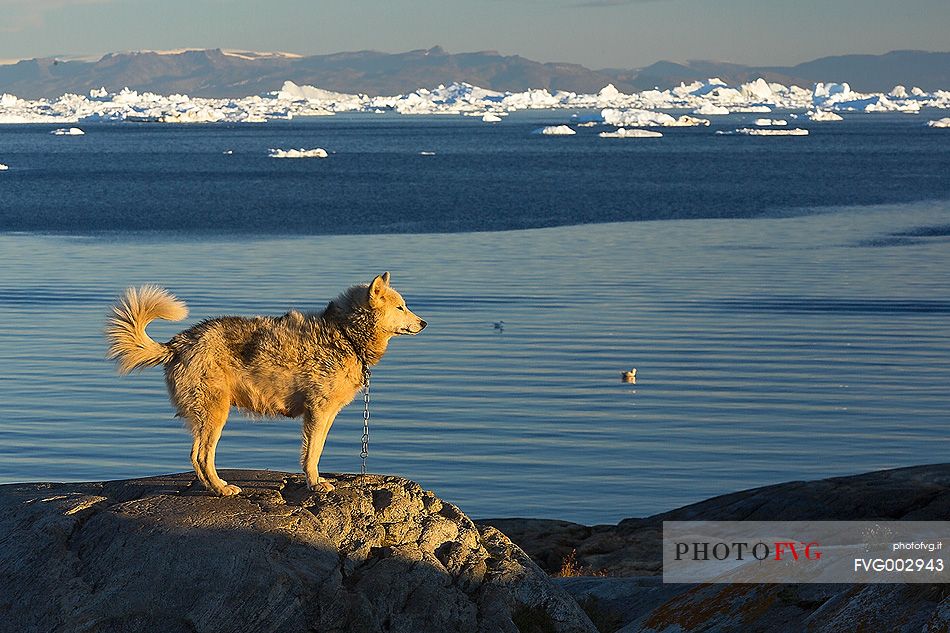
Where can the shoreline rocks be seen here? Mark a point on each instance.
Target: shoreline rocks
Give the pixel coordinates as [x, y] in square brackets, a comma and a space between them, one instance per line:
[632, 547]
[633, 599]
[383, 554]
[162, 554]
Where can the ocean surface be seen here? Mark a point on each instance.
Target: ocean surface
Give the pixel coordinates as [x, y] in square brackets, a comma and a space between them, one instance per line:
[786, 301]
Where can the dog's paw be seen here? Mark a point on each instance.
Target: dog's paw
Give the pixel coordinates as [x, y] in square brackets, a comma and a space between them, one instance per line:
[322, 485]
[228, 490]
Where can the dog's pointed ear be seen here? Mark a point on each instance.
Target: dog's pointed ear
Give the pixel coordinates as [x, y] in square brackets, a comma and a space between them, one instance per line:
[380, 283]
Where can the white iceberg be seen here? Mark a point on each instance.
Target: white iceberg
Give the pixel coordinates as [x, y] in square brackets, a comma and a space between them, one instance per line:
[292, 92]
[625, 133]
[609, 92]
[700, 88]
[878, 103]
[751, 131]
[531, 99]
[752, 109]
[317, 152]
[944, 122]
[770, 122]
[554, 130]
[899, 92]
[758, 90]
[831, 92]
[647, 118]
[709, 109]
[824, 115]
[488, 117]
[650, 108]
[193, 115]
[689, 121]
[68, 131]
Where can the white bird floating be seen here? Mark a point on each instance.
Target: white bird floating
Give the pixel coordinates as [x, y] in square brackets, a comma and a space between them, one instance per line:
[629, 376]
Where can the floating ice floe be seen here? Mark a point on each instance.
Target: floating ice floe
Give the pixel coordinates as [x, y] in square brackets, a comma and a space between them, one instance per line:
[824, 115]
[317, 152]
[488, 117]
[899, 92]
[625, 133]
[770, 122]
[877, 103]
[945, 122]
[830, 93]
[554, 130]
[708, 109]
[840, 97]
[68, 131]
[319, 102]
[758, 90]
[637, 109]
[751, 131]
[647, 118]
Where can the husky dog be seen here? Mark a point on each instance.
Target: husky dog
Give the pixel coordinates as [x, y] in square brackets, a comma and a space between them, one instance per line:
[296, 364]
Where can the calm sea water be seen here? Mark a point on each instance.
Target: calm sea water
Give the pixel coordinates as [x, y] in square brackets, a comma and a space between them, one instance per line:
[771, 345]
[483, 177]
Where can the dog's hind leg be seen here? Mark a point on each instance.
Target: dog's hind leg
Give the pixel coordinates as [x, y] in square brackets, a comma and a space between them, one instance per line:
[207, 432]
[316, 426]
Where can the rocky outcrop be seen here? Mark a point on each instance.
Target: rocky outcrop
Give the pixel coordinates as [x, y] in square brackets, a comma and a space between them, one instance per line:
[632, 547]
[632, 598]
[382, 554]
[646, 605]
[160, 554]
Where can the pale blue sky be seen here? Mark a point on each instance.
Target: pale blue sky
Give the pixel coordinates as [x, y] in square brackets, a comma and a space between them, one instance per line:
[596, 33]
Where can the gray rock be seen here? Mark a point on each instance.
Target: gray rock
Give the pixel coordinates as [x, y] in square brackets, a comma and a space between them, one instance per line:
[797, 608]
[646, 605]
[549, 541]
[160, 554]
[616, 603]
[633, 599]
[632, 547]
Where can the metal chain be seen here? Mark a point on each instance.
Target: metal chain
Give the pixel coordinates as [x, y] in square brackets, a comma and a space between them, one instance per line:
[364, 453]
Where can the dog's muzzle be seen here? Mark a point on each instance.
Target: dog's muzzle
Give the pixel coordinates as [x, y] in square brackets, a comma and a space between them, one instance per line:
[405, 330]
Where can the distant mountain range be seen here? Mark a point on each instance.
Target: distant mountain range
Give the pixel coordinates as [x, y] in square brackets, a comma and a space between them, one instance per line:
[218, 73]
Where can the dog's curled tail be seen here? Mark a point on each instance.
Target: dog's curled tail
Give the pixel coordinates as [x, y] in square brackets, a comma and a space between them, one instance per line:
[128, 342]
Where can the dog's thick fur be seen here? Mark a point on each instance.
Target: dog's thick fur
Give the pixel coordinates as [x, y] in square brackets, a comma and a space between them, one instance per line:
[297, 364]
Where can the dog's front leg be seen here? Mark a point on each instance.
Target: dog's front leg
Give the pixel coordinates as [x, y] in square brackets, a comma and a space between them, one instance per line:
[316, 425]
